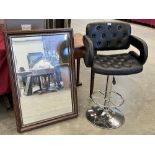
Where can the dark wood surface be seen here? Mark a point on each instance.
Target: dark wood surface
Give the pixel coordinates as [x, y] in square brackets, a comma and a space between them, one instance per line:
[79, 51]
[78, 54]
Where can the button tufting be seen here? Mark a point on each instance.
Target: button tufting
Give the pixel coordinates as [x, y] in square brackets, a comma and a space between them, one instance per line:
[108, 43]
[119, 63]
[105, 65]
[130, 61]
[99, 43]
[110, 37]
[115, 58]
[116, 66]
[97, 61]
[105, 58]
[109, 63]
[124, 34]
[104, 32]
[119, 27]
[98, 27]
[127, 64]
[112, 60]
[103, 35]
[109, 27]
[122, 60]
[93, 35]
[114, 35]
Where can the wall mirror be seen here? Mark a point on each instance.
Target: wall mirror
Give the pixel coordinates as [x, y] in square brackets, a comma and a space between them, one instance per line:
[42, 75]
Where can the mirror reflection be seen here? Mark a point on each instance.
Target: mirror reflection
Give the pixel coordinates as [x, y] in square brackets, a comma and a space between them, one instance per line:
[43, 75]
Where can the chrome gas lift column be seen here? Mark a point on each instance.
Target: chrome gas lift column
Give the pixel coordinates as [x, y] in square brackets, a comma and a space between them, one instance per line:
[106, 114]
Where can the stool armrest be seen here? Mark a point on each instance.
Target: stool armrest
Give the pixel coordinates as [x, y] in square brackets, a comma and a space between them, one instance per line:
[89, 53]
[141, 46]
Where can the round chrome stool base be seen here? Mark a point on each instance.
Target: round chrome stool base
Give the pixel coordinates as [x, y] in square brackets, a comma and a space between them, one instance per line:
[105, 118]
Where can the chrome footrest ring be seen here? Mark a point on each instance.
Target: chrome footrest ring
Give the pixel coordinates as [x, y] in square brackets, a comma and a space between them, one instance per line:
[97, 98]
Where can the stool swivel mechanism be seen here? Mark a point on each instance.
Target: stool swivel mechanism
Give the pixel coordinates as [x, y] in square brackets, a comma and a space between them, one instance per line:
[106, 114]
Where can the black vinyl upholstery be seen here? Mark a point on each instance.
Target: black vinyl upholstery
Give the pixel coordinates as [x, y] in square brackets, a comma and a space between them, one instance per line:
[141, 46]
[108, 35]
[104, 36]
[119, 64]
[89, 54]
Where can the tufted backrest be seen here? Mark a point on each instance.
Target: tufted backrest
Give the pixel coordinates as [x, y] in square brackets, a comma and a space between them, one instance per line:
[109, 35]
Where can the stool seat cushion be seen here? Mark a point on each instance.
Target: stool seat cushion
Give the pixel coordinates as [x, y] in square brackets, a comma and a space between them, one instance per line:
[118, 64]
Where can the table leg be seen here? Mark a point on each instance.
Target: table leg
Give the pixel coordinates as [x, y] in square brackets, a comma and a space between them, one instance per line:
[39, 81]
[78, 83]
[48, 81]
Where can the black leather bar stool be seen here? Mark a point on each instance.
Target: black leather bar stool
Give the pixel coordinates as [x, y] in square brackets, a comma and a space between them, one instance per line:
[107, 36]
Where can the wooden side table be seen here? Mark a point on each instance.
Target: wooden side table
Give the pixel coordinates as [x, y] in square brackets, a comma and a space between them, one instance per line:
[79, 51]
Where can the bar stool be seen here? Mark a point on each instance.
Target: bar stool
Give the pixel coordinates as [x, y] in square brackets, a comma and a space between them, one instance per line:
[105, 36]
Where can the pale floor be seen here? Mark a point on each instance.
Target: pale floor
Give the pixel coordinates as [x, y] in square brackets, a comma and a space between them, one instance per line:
[137, 90]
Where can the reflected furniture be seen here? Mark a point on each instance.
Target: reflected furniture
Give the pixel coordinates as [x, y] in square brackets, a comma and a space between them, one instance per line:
[30, 80]
[106, 36]
[33, 76]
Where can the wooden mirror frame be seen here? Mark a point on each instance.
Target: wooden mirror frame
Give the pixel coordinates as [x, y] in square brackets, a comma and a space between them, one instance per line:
[16, 99]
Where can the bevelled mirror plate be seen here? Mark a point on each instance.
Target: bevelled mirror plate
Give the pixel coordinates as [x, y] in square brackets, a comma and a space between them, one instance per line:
[42, 76]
